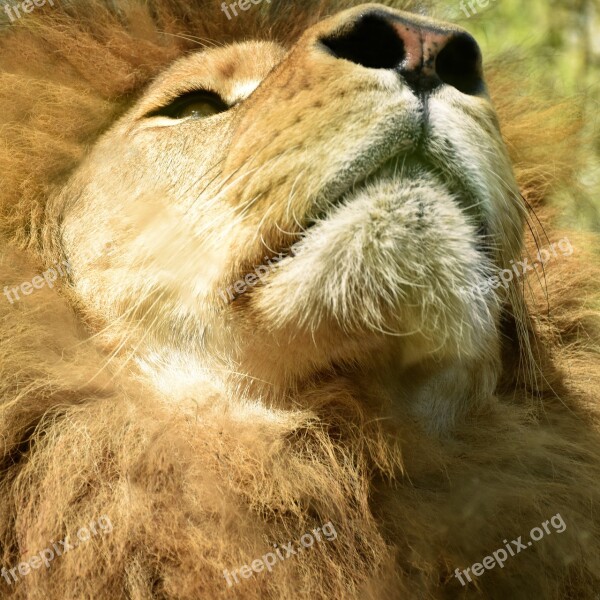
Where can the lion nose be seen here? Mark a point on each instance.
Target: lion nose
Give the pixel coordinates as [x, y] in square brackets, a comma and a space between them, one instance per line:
[425, 55]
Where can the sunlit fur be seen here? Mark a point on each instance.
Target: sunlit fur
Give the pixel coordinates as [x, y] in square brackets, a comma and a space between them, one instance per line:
[354, 384]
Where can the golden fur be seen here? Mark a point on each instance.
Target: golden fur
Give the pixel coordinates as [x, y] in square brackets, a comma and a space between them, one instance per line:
[110, 405]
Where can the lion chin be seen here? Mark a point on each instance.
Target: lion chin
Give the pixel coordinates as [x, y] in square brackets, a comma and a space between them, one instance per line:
[273, 326]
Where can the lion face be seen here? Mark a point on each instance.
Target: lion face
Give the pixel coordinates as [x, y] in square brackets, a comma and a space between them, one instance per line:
[281, 212]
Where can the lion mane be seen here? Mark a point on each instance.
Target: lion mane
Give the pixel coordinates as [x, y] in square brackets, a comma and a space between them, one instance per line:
[191, 496]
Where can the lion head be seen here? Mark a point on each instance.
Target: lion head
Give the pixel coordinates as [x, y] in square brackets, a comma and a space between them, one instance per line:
[268, 279]
[258, 198]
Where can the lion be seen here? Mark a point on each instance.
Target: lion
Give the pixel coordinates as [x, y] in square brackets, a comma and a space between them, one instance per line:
[286, 311]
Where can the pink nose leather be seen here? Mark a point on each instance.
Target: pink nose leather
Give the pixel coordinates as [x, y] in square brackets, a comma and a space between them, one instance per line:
[421, 47]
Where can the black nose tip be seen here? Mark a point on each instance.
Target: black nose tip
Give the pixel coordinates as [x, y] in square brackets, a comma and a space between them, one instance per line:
[426, 56]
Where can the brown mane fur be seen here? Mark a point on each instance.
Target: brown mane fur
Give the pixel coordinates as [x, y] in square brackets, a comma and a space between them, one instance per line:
[190, 497]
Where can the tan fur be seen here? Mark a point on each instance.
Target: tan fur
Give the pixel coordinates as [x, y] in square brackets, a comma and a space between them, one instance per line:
[209, 431]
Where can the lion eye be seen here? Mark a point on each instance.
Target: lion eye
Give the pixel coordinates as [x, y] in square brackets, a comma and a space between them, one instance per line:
[192, 105]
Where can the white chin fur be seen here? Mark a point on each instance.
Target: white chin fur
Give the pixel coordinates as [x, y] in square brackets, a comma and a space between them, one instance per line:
[393, 258]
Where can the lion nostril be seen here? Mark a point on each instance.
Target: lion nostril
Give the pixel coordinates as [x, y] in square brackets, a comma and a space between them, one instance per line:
[459, 64]
[371, 42]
